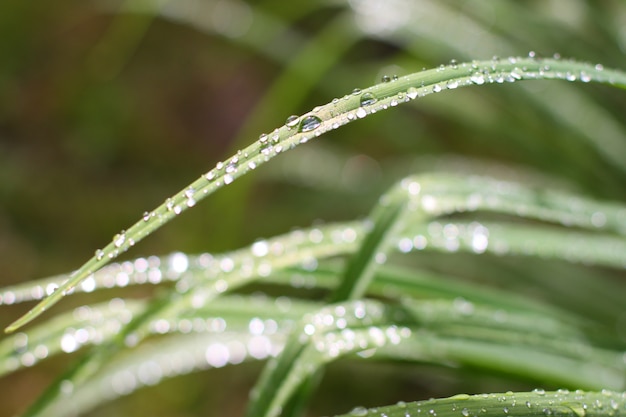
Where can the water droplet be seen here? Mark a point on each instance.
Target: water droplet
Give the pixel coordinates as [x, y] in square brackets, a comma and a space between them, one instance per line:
[310, 123]
[477, 79]
[436, 88]
[359, 411]
[598, 219]
[361, 113]
[356, 91]
[67, 387]
[411, 93]
[452, 84]
[119, 239]
[231, 168]
[69, 343]
[385, 78]
[367, 99]
[146, 216]
[99, 254]
[292, 121]
[540, 391]
[228, 179]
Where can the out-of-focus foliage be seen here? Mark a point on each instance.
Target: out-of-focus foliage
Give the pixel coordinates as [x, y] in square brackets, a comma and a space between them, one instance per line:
[106, 108]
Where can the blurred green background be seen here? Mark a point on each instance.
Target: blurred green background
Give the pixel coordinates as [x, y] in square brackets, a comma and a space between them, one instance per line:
[107, 108]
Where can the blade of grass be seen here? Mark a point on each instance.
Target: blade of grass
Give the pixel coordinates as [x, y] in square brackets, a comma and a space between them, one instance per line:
[537, 403]
[323, 119]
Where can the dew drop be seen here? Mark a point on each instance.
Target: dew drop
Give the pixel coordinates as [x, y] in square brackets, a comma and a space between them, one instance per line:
[359, 411]
[292, 121]
[411, 93]
[477, 79]
[68, 343]
[310, 123]
[67, 387]
[119, 239]
[540, 391]
[361, 113]
[146, 216]
[436, 88]
[228, 179]
[99, 254]
[584, 77]
[385, 78]
[368, 99]
[356, 91]
[452, 84]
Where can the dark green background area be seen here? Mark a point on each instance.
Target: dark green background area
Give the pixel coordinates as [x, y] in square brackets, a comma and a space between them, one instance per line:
[104, 114]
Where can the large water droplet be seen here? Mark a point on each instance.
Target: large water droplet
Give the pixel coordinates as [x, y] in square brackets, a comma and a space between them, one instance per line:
[367, 99]
[310, 123]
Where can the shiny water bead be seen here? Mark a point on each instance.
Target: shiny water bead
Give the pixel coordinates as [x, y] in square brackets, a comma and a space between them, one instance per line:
[119, 239]
[310, 123]
[367, 99]
[292, 121]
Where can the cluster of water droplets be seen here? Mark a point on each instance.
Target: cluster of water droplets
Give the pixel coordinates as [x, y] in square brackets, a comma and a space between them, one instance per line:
[89, 325]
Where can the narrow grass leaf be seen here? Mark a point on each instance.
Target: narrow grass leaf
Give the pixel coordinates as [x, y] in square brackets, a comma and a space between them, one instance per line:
[321, 120]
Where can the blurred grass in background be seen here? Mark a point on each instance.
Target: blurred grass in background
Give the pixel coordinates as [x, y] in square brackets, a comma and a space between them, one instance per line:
[106, 108]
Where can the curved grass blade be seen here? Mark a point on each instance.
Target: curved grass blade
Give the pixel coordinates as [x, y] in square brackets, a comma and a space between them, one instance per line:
[537, 403]
[319, 121]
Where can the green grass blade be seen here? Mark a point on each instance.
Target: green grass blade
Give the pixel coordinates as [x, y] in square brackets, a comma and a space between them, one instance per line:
[537, 403]
[321, 120]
